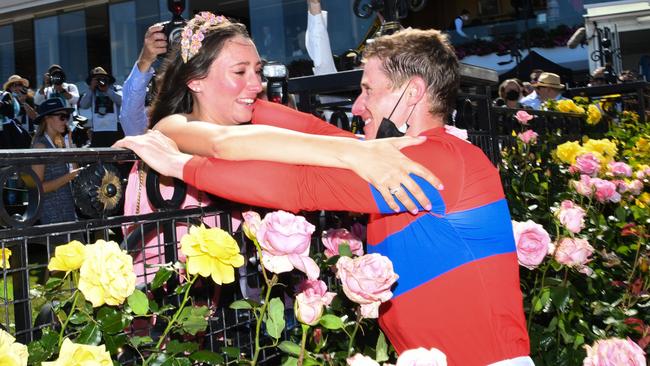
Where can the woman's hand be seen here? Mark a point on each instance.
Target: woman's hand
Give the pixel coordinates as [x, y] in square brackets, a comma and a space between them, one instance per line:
[158, 151]
[387, 169]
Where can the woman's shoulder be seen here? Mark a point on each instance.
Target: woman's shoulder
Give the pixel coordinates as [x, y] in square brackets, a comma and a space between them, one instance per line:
[172, 119]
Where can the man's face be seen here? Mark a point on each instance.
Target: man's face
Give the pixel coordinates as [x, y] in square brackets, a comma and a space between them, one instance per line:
[377, 99]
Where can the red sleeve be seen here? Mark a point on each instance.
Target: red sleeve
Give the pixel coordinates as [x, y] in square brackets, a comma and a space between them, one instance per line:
[281, 186]
[278, 115]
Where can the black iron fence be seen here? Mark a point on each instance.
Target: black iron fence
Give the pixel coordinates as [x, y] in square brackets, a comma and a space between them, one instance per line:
[151, 238]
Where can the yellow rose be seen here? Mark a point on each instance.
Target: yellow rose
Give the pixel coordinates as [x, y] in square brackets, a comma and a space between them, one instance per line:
[642, 146]
[73, 354]
[593, 114]
[568, 106]
[106, 275]
[11, 352]
[568, 151]
[211, 252]
[604, 147]
[5, 254]
[68, 257]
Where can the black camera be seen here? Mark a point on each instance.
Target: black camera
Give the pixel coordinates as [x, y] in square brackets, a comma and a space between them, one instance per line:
[102, 81]
[57, 77]
[173, 28]
[276, 77]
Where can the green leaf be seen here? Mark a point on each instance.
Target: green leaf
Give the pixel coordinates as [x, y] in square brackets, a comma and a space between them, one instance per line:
[290, 348]
[161, 277]
[209, 357]
[231, 352]
[177, 361]
[330, 321]
[241, 305]
[138, 302]
[193, 319]
[110, 320]
[560, 297]
[90, 334]
[275, 320]
[344, 250]
[160, 360]
[138, 341]
[381, 348]
[175, 347]
[114, 342]
[53, 283]
[291, 361]
[42, 349]
[79, 318]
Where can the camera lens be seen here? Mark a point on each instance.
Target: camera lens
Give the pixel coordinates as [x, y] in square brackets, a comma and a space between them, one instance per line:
[102, 82]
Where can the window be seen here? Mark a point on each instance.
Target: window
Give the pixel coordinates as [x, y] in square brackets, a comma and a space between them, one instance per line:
[7, 63]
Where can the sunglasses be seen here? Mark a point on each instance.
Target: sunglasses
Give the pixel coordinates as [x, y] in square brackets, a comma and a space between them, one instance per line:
[62, 116]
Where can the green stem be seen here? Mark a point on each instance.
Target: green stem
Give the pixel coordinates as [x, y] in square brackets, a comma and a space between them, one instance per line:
[186, 297]
[258, 326]
[354, 334]
[303, 343]
[67, 319]
[532, 306]
[631, 277]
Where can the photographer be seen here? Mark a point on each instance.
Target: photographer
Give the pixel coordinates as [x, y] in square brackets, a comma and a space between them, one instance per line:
[23, 100]
[133, 116]
[55, 86]
[12, 134]
[104, 103]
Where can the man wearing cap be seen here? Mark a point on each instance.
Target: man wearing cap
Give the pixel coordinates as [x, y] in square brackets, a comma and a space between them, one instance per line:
[54, 85]
[19, 89]
[104, 103]
[548, 87]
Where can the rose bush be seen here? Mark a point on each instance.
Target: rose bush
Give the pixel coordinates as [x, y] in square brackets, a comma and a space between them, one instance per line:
[590, 194]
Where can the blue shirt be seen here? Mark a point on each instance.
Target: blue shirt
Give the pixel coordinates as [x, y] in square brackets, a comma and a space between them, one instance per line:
[133, 115]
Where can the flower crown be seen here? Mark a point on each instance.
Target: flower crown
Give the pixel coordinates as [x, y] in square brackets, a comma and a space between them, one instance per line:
[194, 32]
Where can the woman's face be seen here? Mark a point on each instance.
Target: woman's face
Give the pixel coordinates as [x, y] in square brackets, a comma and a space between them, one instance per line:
[227, 94]
[57, 122]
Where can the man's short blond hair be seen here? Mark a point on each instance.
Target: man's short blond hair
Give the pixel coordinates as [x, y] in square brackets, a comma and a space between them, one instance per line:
[424, 53]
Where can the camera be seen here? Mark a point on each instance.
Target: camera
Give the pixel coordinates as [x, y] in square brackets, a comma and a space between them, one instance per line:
[102, 82]
[173, 28]
[277, 84]
[57, 77]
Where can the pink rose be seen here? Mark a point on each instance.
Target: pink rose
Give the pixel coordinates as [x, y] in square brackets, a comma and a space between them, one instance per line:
[285, 239]
[532, 242]
[523, 117]
[571, 216]
[458, 132]
[367, 281]
[620, 169]
[332, 238]
[621, 186]
[574, 253]
[635, 187]
[359, 230]
[614, 351]
[422, 357]
[311, 301]
[252, 222]
[583, 186]
[528, 136]
[605, 190]
[588, 164]
[361, 360]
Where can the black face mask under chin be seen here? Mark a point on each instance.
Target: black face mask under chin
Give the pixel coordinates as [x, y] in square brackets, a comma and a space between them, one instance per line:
[388, 128]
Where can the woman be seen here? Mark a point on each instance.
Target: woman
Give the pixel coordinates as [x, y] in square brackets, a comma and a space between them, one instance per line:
[509, 94]
[217, 81]
[58, 205]
[211, 80]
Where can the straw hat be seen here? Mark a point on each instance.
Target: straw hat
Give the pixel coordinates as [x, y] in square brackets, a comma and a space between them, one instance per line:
[99, 71]
[15, 79]
[549, 80]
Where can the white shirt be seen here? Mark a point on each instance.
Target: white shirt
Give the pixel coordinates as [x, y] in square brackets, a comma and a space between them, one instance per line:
[318, 45]
[49, 92]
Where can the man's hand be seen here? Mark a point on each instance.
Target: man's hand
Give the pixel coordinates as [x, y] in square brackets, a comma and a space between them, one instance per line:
[93, 84]
[59, 88]
[155, 43]
[158, 151]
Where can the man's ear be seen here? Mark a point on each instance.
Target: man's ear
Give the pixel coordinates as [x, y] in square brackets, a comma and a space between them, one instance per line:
[195, 86]
[416, 91]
